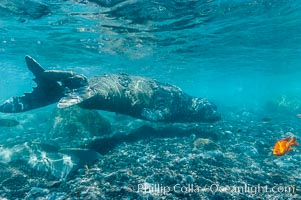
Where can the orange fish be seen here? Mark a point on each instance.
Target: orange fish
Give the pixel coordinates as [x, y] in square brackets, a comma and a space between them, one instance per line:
[284, 145]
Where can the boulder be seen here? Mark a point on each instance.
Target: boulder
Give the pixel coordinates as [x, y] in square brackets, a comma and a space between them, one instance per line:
[74, 126]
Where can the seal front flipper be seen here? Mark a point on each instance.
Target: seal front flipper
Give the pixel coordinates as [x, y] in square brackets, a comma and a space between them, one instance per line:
[76, 96]
[47, 91]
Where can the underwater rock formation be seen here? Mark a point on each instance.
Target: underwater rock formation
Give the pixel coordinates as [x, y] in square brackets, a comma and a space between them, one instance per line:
[106, 144]
[74, 126]
[284, 103]
[205, 144]
[34, 159]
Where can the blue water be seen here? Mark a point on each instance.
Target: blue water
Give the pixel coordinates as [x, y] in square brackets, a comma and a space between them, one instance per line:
[215, 49]
[239, 54]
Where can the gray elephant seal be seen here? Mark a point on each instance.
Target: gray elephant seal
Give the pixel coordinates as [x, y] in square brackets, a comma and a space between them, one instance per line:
[135, 96]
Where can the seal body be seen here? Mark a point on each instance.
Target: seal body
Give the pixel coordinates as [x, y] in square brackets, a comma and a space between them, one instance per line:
[135, 96]
[147, 99]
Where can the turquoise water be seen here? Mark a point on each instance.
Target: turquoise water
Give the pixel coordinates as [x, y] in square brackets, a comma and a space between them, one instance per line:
[243, 55]
[215, 49]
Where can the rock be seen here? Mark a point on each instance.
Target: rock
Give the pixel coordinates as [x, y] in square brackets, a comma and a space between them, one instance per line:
[284, 104]
[16, 182]
[36, 192]
[5, 154]
[205, 144]
[189, 179]
[54, 184]
[44, 161]
[105, 144]
[74, 127]
[57, 196]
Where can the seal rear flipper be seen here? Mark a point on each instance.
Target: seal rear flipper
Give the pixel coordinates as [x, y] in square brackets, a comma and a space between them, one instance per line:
[34, 66]
[47, 92]
[39, 97]
[76, 96]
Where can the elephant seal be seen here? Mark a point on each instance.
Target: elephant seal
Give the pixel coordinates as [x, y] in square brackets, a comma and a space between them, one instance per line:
[135, 96]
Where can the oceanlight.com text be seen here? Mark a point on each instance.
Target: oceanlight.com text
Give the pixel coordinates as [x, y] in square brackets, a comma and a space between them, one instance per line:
[161, 189]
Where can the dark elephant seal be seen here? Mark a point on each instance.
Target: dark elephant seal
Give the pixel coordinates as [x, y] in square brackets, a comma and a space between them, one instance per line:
[136, 96]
